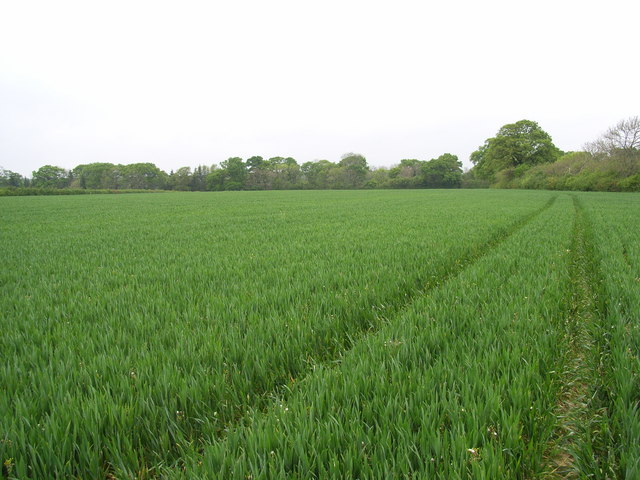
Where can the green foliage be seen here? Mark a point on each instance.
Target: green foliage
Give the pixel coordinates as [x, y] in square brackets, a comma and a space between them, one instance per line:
[257, 177]
[442, 172]
[235, 173]
[215, 180]
[275, 173]
[579, 171]
[283, 173]
[49, 176]
[520, 143]
[521, 155]
[611, 163]
[255, 163]
[353, 170]
[317, 175]
[136, 176]
[181, 179]
[410, 167]
[97, 175]
[469, 180]
[199, 177]
[11, 179]
[145, 176]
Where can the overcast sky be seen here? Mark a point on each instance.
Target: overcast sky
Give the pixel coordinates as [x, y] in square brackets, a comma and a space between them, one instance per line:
[195, 82]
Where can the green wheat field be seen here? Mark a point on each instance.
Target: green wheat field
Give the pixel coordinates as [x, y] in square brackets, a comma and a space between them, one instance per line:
[468, 334]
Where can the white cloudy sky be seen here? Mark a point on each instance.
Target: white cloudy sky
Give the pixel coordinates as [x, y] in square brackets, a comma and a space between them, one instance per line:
[183, 83]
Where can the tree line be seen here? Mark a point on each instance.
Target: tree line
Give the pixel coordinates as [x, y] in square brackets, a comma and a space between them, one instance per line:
[520, 155]
[254, 173]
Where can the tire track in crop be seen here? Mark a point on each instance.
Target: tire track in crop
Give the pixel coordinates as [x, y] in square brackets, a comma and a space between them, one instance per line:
[577, 442]
[456, 267]
[331, 356]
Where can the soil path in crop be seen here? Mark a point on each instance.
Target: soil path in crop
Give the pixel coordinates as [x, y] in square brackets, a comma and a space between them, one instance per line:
[570, 453]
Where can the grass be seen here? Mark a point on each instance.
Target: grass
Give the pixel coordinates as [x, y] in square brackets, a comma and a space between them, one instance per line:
[306, 334]
[616, 227]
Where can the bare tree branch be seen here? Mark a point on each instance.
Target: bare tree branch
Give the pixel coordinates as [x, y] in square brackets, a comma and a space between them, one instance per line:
[624, 136]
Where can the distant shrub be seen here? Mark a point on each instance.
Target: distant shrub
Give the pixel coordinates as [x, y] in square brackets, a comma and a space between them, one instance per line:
[630, 184]
[577, 171]
[468, 182]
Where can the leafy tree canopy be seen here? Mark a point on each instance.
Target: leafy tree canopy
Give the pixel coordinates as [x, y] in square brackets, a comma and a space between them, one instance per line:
[50, 176]
[354, 169]
[11, 179]
[442, 172]
[255, 162]
[520, 143]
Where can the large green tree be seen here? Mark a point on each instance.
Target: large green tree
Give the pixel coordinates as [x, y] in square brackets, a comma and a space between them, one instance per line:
[181, 179]
[442, 172]
[354, 169]
[199, 177]
[316, 174]
[235, 173]
[96, 175]
[11, 179]
[50, 176]
[516, 144]
[258, 174]
[284, 173]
